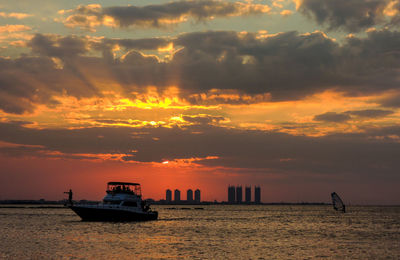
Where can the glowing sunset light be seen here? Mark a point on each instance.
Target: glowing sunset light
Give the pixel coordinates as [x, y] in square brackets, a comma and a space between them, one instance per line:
[168, 48]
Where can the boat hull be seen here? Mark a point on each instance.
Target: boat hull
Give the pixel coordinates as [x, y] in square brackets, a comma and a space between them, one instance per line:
[104, 214]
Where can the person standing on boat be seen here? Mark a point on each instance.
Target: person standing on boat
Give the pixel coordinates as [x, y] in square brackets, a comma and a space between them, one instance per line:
[69, 196]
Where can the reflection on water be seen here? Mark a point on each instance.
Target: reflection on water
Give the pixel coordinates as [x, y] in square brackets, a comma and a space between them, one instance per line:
[217, 232]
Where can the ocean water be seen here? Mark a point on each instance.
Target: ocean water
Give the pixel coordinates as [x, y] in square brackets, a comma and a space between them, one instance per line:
[217, 232]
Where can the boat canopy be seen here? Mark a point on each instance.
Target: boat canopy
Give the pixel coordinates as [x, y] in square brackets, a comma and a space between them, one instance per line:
[122, 183]
[114, 187]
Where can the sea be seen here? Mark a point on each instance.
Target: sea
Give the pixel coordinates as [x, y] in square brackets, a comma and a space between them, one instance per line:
[213, 232]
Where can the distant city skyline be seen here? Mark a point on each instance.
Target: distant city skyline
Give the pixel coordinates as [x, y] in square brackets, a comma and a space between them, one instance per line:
[177, 196]
[197, 196]
[189, 195]
[248, 194]
[235, 194]
[168, 195]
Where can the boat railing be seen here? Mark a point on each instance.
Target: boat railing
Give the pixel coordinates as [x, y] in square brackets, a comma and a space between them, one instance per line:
[108, 206]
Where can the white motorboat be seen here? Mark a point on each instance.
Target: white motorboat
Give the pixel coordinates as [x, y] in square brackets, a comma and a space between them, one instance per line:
[123, 202]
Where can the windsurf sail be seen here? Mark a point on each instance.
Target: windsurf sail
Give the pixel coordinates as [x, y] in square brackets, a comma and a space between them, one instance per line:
[337, 202]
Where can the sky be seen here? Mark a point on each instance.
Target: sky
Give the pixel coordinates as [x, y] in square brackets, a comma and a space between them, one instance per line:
[300, 97]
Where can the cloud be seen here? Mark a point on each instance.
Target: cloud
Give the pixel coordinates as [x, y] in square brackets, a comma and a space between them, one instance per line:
[354, 114]
[139, 44]
[228, 96]
[332, 117]
[370, 113]
[242, 61]
[203, 119]
[351, 16]
[285, 13]
[287, 65]
[392, 100]
[29, 80]
[87, 17]
[207, 67]
[14, 15]
[157, 16]
[54, 46]
[11, 28]
[14, 35]
[369, 155]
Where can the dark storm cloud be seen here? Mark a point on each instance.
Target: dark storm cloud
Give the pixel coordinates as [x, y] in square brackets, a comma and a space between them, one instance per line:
[369, 155]
[355, 114]
[228, 60]
[352, 16]
[286, 66]
[35, 79]
[391, 101]
[370, 113]
[106, 46]
[153, 15]
[18, 78]
[53, 46]
[160, 15]
[332, 117]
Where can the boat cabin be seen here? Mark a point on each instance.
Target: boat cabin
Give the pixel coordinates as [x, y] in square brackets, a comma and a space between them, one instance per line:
[124, 187]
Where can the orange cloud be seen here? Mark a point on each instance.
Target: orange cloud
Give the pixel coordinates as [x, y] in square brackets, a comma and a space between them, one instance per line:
[184, 162]
[297, 117]
[14, 15]
[392, 8]
[13, 145]
[167, 109]
[298, 3]
[15, 35]
[286, 13]
[87, 17]
[11, 28]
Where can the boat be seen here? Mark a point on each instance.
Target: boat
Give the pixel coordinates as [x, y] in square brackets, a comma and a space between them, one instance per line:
[337, 203]
[123, 202]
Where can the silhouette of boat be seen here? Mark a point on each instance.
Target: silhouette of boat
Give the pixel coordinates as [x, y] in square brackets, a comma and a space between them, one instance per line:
[123, 202]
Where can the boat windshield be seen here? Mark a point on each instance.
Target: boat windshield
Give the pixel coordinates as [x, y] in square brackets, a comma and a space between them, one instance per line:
[124, 187]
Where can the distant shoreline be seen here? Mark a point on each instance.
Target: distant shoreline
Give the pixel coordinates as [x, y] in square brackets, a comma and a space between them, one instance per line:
[173, 203]
[56, 204]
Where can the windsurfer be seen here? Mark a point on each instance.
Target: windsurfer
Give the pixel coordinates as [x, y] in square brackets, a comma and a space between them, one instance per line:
[337, 202]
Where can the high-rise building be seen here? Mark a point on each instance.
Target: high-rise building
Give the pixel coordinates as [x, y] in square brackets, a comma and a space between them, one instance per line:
[239, 194]
[197, 197]
[177, 195]
[247, 194]
[168, 195]
[231, 194]
[189, 195]
[257, 194]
